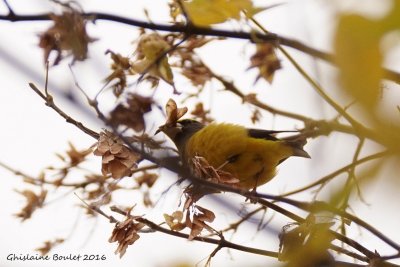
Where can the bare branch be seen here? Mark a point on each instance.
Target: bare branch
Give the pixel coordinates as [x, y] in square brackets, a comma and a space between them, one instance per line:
[332, 175]
[222, 243]
[271, 37]
[11, 13]
[50, 103]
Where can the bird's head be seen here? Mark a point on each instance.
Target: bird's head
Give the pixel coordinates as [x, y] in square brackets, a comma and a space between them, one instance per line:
[181, 131]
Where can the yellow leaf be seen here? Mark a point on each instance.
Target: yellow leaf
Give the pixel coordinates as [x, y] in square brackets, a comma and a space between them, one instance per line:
[207, 12]
[164, 71]
[359, 58]
[152, 46]
[391, 21]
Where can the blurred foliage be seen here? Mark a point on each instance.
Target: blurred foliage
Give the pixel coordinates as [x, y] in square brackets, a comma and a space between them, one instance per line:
[158, 57]
[360, 54]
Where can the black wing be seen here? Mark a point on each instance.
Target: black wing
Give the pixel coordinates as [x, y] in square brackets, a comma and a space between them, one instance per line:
[266, 134]
[296, 142]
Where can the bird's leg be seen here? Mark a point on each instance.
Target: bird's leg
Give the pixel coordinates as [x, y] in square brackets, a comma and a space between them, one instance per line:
[223, 165]
[230, 159]
[254, 190]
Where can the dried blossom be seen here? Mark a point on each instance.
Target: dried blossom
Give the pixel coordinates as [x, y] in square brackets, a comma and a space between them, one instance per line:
[120, 68]
[125, 234]
[266, 60]
[198, 41]
[198, 222]
[117, 159]
[147, 202]
[147, 178]
[102, 196]
[49, 245]
[75, 157]
[173, 112]
[194, 192]
[198, 73]
[250, 98]
[202, 169]
[68, 33]
[202, 114]
[191, 65]
[132, 114]
[92, 194]
[34, 201]
[175, 221]
[255, 116]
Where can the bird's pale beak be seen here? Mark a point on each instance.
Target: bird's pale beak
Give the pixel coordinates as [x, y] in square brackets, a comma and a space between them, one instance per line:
[160, 129]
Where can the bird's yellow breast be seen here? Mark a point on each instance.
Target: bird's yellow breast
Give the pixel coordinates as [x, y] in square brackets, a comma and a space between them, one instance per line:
[227, 146]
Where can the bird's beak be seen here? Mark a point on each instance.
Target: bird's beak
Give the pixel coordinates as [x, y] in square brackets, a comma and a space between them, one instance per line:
[160, 129]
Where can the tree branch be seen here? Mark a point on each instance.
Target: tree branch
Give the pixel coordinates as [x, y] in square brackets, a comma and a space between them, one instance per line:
[175, 167]
[50, 103]
[270, 37]
[219, 242]
[332, 175]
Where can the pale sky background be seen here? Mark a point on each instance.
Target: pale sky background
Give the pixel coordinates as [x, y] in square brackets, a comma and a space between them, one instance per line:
[31, 133]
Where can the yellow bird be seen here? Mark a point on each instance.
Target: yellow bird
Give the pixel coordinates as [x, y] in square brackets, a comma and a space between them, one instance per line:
[250, 155]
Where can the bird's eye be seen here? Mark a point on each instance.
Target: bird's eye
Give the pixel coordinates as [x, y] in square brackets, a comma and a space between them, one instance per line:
[233, 158]
[183, 123]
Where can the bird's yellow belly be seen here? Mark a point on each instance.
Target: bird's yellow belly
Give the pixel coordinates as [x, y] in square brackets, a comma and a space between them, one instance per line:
[229, 148]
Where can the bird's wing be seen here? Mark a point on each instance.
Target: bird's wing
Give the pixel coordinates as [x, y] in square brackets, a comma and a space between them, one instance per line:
[266, 134]
[295, 142]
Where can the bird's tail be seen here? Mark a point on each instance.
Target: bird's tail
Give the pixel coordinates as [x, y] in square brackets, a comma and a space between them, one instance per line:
[297, 143]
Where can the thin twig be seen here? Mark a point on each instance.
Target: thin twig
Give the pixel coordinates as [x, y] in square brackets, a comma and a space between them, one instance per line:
[35, 181]
[258, 197]
[316, 127]
[326, 207]
[234, 226]
[351, 179]
[299, 219]
[11, 12]
[323, 206]
[223, 243]
[348, 253]
[332, 175]
[196, 30]
[229, 86]
[357, 126]
[92, 102]
[95, 208]
[50, 103]
[175, 167]
[303, 205]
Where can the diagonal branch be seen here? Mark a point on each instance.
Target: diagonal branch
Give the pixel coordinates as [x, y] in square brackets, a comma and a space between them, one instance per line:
[220, 242]
[332, 175]
[50, 103]
[270, 37]
[175, 167]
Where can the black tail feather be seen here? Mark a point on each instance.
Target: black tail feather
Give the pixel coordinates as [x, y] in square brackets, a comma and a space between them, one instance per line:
[297, 145]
